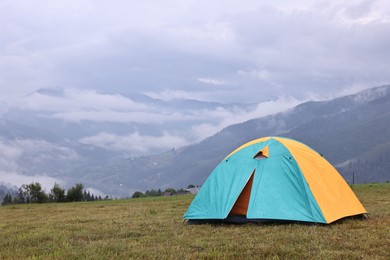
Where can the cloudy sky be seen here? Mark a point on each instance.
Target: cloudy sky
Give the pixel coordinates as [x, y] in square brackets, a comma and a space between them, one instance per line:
[271, 53]
[275, 54]
[227, 51]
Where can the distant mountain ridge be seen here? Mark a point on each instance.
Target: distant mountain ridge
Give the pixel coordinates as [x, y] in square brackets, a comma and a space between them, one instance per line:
[51, 122]
[352, 132]
[349, 131]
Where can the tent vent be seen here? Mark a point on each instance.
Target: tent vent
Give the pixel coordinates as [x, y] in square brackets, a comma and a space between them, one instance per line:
[263, 153]
[259, 156]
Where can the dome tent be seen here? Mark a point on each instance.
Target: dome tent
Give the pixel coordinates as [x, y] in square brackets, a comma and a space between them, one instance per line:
[274, 179]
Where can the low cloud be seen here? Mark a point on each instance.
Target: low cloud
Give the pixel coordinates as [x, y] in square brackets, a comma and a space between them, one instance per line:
[15, 154]
[211, 81]
[135, 143]
[170, 117]
[211, 121]
[171, 95]
[17, 179]
[42, 150]
[73, 105]
[69, 100]
[121, 117]
[226, 117]
[9, 154]
[95, 192]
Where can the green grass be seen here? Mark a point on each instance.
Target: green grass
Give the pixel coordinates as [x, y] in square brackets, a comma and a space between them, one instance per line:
[153, 228]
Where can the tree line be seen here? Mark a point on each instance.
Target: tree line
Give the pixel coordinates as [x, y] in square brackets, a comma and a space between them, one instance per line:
[156, 193]
[33, 193]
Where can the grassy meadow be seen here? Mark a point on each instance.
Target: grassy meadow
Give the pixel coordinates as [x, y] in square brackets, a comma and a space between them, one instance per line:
[153, 228]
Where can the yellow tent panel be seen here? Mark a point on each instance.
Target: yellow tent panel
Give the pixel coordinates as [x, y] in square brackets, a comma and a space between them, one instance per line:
[333, 195]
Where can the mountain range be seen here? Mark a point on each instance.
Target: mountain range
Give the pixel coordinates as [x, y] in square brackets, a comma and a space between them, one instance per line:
[352, 132]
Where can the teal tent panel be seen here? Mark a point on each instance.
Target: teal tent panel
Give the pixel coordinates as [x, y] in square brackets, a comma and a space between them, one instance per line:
[279, 190]
[221, 189]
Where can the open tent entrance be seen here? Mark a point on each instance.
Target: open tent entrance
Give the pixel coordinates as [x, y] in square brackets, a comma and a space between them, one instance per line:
[240, 207]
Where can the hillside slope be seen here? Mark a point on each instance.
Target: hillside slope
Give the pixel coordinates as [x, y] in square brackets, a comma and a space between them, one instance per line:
[349, 131]
[352, 132]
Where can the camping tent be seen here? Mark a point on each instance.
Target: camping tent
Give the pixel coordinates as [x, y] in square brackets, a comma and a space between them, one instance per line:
[274, 179]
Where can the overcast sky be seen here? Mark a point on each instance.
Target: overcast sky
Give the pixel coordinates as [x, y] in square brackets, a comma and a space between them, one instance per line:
[228, 51]
[274, 53]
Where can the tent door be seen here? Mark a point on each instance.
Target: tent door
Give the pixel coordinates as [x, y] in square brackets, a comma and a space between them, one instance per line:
[240, 207]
